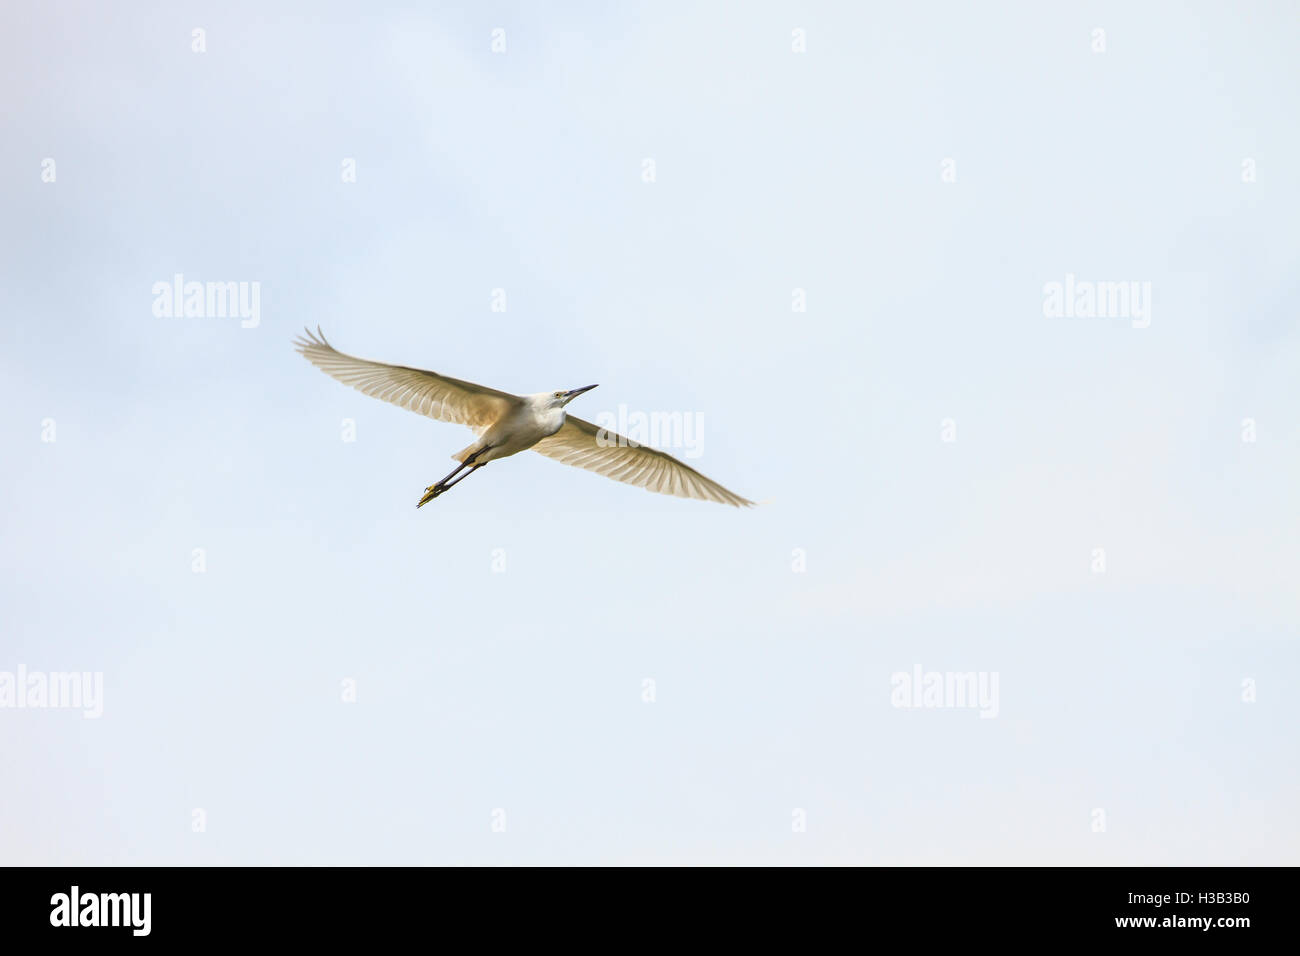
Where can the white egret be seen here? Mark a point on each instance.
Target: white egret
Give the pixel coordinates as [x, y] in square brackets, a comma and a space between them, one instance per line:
[506, 424]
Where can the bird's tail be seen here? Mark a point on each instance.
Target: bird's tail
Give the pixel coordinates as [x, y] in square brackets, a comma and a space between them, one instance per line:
[465, 452]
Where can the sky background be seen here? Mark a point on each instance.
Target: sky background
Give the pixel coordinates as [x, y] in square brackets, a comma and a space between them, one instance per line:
[522, 690]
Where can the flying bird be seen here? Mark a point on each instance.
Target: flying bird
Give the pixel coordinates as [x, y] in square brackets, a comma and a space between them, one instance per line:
[506, 424]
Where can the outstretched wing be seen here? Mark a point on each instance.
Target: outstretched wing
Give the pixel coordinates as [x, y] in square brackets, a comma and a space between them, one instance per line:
[438, 396]
[582, 444]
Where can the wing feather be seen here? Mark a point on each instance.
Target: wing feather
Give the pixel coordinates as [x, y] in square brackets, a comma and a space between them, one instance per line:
[583, 445]
[439, 397]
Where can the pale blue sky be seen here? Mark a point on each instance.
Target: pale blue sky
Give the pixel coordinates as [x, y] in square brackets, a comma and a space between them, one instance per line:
[775, 170]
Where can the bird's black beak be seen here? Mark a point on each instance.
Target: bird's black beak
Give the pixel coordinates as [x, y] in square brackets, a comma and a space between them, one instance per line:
[575, 392]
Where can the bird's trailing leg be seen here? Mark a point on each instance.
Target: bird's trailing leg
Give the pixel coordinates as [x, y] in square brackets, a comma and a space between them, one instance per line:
[456, 471]
[441, 484]
[435, 490]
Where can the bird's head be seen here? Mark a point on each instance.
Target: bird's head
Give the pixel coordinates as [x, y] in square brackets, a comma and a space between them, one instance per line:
[562, 398]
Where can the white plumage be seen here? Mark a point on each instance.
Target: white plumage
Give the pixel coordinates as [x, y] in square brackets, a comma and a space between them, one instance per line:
[507, 424]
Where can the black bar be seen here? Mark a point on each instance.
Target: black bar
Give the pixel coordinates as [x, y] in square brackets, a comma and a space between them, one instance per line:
[203, 905]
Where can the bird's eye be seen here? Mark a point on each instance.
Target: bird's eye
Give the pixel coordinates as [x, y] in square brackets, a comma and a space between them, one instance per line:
[559, 394]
